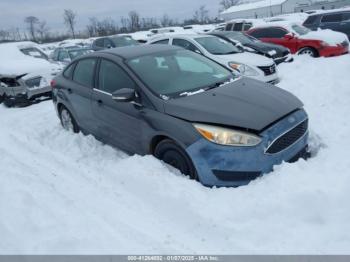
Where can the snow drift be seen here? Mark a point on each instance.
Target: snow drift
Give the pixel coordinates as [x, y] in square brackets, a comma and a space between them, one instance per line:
[63, 193]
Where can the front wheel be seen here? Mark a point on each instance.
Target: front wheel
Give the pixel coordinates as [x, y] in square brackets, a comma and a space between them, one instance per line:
[8, 102]
[308, 51]
[1, 99]
[67, 121]
[174, 155]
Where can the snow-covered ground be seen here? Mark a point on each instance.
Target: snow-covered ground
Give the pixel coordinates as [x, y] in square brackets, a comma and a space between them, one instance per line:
[65, 193]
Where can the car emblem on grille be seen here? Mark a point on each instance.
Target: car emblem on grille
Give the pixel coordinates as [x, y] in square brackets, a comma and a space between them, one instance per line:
[291, 120]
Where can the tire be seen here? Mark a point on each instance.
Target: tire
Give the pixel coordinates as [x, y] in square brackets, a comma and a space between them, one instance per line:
[8, 102]
[1, 99]
[172, 154]
[67, 120]
[308, 51]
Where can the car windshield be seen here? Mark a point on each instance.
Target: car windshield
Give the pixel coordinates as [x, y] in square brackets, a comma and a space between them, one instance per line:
[173, 74]
[120, 41]
[34, 52]
[300, 30]
[217, 46]
[78, 52]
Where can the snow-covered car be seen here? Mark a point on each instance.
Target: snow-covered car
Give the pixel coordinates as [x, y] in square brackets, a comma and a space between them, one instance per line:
[250, 44]
[301, 40]
[65, 55]
[247, 64]
[25, 73]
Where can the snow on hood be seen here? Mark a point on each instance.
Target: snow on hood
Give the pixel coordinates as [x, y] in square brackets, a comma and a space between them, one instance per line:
[329, 36]
[15, 63]
[248, 59]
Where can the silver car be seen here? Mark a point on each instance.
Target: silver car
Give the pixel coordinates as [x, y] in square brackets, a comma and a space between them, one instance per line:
[25, 74]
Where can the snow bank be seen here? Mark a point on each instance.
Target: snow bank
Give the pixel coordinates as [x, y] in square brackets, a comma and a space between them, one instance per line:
[63, 193]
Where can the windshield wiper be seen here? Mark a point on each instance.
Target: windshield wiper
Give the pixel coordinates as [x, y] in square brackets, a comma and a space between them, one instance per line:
[218, 84]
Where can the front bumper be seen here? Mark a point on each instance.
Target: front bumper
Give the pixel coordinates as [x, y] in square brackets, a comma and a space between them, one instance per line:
[333, 50]
[219, 165]
[287, 59]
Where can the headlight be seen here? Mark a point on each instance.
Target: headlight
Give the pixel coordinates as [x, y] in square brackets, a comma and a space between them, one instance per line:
[225, 136]
[243, 69]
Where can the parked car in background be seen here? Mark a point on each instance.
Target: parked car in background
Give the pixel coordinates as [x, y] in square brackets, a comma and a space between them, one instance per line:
[336, 20]
[68, 54]
[113, 41]
[223, 52]
[25, 73]
[250, 44]
[199, 29]
[301, 40]
[184, 109]
[242, 24]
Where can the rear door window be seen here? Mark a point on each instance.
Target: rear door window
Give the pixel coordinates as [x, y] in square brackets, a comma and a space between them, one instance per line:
[68, 72]
[228, 27]
[260, 33]
[310, 20]
[331, 18]
[185, 44]
[84, 72]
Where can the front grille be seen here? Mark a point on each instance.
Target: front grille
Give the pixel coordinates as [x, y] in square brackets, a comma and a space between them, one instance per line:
[288, 138]
[236, 175]
[268, 70]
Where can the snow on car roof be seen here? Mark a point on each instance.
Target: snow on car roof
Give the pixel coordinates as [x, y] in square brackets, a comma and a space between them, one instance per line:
[253, 5]
[318, 12]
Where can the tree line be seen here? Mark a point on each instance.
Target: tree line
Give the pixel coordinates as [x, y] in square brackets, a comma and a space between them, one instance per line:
[38, 31]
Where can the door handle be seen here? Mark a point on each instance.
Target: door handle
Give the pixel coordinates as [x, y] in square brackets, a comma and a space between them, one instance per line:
[70, 90]
[99, 102]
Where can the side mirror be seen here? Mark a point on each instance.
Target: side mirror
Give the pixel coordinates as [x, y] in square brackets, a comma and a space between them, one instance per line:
[124, 95]
[289, 36]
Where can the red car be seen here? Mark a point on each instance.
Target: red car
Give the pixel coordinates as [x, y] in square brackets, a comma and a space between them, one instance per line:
[301, 40]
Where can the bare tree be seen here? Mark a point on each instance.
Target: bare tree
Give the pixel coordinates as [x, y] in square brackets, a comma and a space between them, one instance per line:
[166, 21]
[43, 29]
[134, 21]
[92, 26]
[225, 4]
[201, 15]
[32, 23]
[70, 20]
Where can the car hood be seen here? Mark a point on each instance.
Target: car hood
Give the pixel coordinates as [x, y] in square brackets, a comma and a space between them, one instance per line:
[329, 36]
[266, 48]
[246, 58]
[244, 103]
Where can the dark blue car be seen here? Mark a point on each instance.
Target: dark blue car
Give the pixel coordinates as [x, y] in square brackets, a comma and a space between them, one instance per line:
[336, 20]
[184, 109]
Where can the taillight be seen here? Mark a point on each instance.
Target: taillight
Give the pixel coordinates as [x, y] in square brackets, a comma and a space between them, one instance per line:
[53, 83]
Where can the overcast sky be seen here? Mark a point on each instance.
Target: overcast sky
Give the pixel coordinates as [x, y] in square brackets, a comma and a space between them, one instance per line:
[13, 12]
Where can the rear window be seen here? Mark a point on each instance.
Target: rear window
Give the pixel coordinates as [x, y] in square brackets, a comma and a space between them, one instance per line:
[346, 16]
[68, 72]
[84, 72]
[310, 20]
[238, 27]
[161, 42]
[34, 52]
[331, 18]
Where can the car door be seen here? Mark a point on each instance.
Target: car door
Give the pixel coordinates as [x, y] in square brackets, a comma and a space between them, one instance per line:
[117, 123]
[78, 91]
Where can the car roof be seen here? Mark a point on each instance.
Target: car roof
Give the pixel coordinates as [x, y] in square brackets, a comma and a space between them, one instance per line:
[129, 52]
[323, 12]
